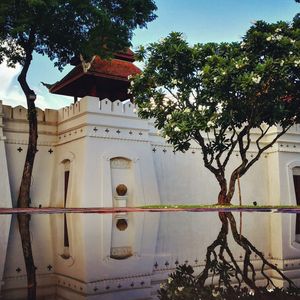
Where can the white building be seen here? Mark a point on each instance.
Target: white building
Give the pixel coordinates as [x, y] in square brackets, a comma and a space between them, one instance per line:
[102, 144]
[84, 152]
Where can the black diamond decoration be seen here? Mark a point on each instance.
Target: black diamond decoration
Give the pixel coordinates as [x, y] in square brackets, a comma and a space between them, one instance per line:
[142, 283]
[50, 151]
[176, 262]
[95, 129]
[132, 284]
[20, 149]
[130, 132]
[49, 267]
[193, 152]
[156, 265]
[18, 270]
[95, 289]
[154, 150]
[186, 262]
[108, 287]
[166, 263]
[119, 286]
[140, 133]
[118, 131]
[106, 130]
[164, 151]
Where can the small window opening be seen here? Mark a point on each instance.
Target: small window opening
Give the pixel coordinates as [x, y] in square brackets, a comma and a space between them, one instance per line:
[296, 178]
[66, 253]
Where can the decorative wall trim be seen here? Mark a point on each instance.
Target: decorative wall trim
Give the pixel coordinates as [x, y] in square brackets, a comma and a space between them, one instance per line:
[25, 142]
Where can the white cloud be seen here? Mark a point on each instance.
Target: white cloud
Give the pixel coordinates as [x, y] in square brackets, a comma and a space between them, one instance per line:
[12, 94]
[8, 78]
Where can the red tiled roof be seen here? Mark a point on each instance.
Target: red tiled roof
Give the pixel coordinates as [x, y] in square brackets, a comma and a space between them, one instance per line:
[107, 77]
[116, 68]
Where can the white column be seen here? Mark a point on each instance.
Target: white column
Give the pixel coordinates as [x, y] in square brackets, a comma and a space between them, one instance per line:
[5, 200]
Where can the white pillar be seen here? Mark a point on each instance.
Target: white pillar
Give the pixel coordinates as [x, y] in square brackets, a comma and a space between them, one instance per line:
[5, 200]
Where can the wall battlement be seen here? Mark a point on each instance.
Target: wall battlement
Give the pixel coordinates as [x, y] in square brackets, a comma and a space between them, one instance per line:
[20, 113]
[86, 104]
[95, 105]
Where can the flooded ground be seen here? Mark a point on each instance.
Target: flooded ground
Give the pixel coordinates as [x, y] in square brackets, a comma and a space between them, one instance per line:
[130, 255]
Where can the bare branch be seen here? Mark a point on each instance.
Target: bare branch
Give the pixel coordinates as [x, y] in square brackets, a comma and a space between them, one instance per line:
[233, 144]
[263, 133]
[269, 145]
[208, 163]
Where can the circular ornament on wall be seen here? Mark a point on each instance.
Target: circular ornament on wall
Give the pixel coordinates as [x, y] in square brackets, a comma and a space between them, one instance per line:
[121, 189]
[122, 224]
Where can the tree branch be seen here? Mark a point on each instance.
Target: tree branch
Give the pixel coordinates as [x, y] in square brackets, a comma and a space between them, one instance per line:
[261, 150]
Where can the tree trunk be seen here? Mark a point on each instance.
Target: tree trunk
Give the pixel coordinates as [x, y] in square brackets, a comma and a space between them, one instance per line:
[222, 197]
[24, 193]
[24, 229]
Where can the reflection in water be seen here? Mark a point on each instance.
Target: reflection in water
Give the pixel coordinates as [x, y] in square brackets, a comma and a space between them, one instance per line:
[92, 272]
[224, 257]
[223, 277]
[24, 228]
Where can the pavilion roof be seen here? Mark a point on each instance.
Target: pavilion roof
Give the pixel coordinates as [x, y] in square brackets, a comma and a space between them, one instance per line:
[101, 78]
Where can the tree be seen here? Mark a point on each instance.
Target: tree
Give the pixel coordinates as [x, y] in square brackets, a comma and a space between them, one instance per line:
[60, 30]
[224, 96]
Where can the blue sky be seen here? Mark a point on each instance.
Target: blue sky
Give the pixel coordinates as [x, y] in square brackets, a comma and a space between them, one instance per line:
[199, 20]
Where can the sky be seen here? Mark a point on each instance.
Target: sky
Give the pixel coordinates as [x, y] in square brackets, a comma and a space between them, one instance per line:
[199, 20]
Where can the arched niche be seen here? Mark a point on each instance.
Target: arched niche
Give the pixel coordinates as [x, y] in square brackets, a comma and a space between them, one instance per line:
[296, 185]
[63, 191]
[122, 184]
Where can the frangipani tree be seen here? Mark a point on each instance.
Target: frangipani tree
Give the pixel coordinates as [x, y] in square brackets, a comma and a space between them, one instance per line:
[216, 94]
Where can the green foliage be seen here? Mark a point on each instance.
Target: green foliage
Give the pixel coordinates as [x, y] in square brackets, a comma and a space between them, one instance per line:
[227, 85]
[60, 29]
[216, 94]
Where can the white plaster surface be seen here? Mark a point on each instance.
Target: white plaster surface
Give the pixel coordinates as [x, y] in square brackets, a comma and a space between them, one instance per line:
[89, 134]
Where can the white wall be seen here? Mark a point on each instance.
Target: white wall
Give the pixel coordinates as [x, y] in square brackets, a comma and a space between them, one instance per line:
[5, 199]
[89, 134]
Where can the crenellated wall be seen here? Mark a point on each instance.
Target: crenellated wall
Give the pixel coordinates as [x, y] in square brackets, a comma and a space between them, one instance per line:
[95, 105]
[87, 137]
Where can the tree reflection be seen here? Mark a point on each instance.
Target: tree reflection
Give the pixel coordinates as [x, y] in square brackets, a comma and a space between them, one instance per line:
[219, 254]
[24, 229]
[224, 277]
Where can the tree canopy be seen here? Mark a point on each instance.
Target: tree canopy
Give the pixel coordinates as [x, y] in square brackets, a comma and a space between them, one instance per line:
[216, 93]
[60, 29]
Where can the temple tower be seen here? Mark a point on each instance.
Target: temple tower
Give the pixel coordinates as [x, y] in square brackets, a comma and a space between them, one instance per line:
[103, 159]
